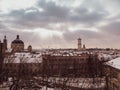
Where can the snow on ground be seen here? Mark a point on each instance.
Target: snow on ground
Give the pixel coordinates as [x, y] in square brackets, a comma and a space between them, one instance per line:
[63, 52]
[78, 82]
[44, 88]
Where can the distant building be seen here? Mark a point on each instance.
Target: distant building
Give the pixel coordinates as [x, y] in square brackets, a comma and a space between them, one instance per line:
[65, 65]
[17, 45]
[79, 44]
[30, 48]
[84, 47]
[80, 48]
[22, 63]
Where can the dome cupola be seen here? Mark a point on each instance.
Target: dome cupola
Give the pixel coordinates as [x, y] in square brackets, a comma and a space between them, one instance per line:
[17, 40]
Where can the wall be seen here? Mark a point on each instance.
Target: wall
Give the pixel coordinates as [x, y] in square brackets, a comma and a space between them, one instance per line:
[112, 78]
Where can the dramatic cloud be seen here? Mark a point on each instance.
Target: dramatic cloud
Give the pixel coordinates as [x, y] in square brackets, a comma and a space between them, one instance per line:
[112, 28]
[58, 23]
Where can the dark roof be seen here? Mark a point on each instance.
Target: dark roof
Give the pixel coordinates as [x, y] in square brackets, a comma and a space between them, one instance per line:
[17, 41]
[29, 46]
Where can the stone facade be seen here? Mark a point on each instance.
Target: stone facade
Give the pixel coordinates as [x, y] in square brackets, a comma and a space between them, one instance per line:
[17, 47]
[112, 78]
[76, 66]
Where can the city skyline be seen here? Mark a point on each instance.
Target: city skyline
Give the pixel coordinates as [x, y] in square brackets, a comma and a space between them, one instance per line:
[59, 23]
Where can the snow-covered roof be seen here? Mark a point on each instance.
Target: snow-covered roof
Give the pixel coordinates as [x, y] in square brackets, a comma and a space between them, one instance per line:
[114, 63]
[104, 57]
[24, 58]
[9, 50]
[85, 83]
[64, 53]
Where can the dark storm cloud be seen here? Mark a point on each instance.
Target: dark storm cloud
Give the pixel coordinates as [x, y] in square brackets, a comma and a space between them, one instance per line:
[89, 12]
[53, 10]
[112, 28]
[88, 18]
[51, 14]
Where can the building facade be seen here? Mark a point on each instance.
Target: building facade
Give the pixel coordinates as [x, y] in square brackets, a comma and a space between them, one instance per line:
[71, 66]
[112, 74]
[80, 47]
[79, 44]
[22, 63]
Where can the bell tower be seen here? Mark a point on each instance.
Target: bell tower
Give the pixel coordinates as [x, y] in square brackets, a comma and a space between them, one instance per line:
[79, 44]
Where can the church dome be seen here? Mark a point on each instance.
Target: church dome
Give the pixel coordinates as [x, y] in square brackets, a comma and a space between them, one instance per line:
[17, 41]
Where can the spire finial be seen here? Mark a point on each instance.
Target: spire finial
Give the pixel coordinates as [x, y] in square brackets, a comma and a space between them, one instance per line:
[17, 36]
[5, 37]
[79, 38]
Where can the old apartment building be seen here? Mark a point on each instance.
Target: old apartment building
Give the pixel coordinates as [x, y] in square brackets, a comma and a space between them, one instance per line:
[112, 72]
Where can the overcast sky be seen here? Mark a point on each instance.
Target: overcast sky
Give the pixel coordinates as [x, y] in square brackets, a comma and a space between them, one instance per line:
[59, 23]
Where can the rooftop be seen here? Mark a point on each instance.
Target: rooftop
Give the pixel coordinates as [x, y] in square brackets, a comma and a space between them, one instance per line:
[115, 63]
[17, 41]
[24, 58]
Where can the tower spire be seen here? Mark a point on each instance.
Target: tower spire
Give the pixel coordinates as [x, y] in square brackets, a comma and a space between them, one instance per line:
[5, 42]
[5, 37]
[79, 44]
[18, 37]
